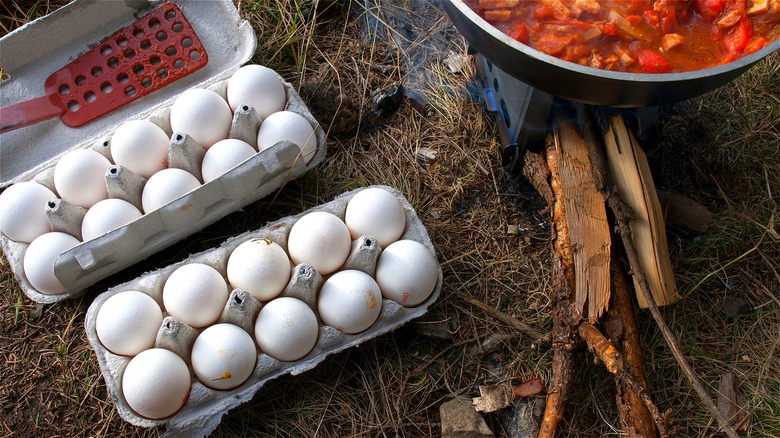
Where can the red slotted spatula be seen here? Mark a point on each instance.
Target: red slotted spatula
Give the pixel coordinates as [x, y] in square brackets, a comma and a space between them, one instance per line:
[157, 49]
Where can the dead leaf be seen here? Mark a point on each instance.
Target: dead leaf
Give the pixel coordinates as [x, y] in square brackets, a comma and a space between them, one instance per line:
[731, 403]
[493, 398]
[528, 388]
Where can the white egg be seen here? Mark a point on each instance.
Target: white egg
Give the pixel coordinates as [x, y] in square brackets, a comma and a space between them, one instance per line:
[203, 115]
[165, 186]
[290, 126]
[39, 261]
[223, 156]
[107, 215]
[258, 86]
[80, 177]
[23, 211]
[375, 212]
[260, 267]
[349, 301]
[223, 356]
[195, 294]
[286, 329]
[321, 240]
[407, 272]
[156, 383]
[127, 323]
[140, 146]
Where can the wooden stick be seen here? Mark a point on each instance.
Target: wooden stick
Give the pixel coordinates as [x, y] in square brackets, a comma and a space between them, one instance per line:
[623, 332]
[601, 347]
[565, 315]
[559, 388]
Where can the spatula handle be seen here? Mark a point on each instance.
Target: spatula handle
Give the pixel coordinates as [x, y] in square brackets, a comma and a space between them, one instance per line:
[29, 112]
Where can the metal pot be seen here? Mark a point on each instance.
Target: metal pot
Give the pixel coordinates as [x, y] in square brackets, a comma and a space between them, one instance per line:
[586, 84]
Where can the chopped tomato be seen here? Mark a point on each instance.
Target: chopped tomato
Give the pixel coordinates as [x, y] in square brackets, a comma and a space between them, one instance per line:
[736, 38]
[608, 28]
[651, 61]
[669, 21]
[709, 9]
[755, 44]
[651, 17]
[634, 19]
[519, 32]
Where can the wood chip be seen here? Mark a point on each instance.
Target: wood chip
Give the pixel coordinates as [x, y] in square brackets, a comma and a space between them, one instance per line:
[493, 398]
[731, 403]
[426, 154]
[684, 212]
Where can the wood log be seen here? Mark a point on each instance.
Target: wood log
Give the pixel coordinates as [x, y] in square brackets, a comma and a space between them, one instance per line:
[630, 172]
[565, 315]
[623, 331]
[581, 248]
[588, 241]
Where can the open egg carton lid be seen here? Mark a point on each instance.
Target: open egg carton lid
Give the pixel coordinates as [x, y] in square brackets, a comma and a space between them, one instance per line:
[31, 53]
[205, 407]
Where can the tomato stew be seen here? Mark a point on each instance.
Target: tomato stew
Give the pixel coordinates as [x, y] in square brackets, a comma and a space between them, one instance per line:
[638, 36]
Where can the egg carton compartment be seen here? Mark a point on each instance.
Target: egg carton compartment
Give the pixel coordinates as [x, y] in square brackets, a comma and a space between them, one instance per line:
[229, 42]
[205, 407]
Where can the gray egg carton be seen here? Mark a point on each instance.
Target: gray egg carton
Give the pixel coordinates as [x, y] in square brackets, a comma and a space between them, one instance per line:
[205, 407]
[43, 46]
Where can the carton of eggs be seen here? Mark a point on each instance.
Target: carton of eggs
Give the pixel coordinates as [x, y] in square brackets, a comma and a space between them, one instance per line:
[157, 179]
[247, 311]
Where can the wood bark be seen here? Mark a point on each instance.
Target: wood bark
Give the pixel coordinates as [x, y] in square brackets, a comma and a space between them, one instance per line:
[623, 331]
[563, 339]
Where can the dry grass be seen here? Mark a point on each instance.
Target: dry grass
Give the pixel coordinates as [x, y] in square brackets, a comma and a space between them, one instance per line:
[721, 149]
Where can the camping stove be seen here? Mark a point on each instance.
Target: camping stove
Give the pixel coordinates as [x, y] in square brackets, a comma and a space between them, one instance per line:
[523, 113]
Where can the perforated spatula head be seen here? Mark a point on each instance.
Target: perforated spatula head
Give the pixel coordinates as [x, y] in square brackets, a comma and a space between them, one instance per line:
[154, 51]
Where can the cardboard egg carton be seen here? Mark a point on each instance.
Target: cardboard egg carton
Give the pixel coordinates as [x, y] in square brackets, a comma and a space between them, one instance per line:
[205, 407]
[32, 52]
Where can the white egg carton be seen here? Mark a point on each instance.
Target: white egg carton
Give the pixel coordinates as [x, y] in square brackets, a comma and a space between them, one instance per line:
[32, 52]
[205, 407]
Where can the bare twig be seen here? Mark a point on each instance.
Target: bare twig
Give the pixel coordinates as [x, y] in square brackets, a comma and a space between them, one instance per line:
[536, 337]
